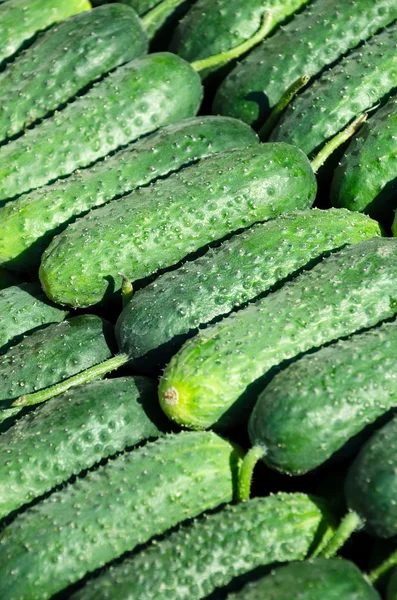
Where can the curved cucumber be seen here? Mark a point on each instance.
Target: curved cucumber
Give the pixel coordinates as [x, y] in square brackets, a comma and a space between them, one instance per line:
[163, 315]
[216, 377]
[135, 99]
[155, 227]
[112, 510]
[317, 37]
[259, 532]
[30, 222]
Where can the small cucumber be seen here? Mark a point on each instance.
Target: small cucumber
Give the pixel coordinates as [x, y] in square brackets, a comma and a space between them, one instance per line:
[110, 511]
[216, 377]
[30, 222]
[262, 531]
[24, 308]
[135, 99]
[163, 315]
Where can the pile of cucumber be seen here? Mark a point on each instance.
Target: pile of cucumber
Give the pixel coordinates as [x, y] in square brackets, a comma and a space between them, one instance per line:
[198, 300]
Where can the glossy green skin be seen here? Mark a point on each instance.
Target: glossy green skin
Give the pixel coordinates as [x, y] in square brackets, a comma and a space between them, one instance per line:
[112, 510]
[24, 308]
[325, 579]
[356, 83]
[315, 38]
[21, 20]
[216, 377]
[30, 222]
[371, 482]
[366, 178]
[66, 59]
[155, 227]
[7, 278]
[163, 315]
[135, 99]
[259, 532]
[392, 587]
[317, 404]
[72, 432]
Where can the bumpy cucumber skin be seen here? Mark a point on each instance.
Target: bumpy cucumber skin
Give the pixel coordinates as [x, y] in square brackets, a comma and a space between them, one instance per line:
[317, 404]
[163, 315]
[113, 509]
[72, 432]
[216, 377]
[21, 20]
[135, 99]
[356, 83]
[155, 227]
[366, 178]
[30, 222]
[64, 60]
[371, 482]
[315, 38]
[24, 308]
[259, 532]
[328, 579]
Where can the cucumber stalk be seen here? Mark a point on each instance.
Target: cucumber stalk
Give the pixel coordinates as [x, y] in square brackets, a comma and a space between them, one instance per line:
[349, 524]
[127, 290]
[246, 472]
[155, 17]
[383, 568]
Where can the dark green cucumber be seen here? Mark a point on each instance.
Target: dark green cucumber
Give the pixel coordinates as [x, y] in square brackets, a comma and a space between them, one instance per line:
[155, 227]
[30, 222]
[354, 85]
[259, 532]
[7, 278]
[317, 37]
[318, 579]
[133, 100]
[20, 20]
[132, 498]
[163, 315]
[24, 308]
[366, 179]
[216, 377]
[73, 432]
[66, 59]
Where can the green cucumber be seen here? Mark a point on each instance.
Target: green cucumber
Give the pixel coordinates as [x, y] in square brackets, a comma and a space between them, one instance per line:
[20, 20]
[356, 83]
[30, 222]
[99, 517]
[73, 432]
[317, 37]
[7, 278]
[366, 179]
[216, 377]
[133, 100]
[24, 308]
[259, 532]
[64, 60]
[311, 580]
[392, 587]
[163, 315]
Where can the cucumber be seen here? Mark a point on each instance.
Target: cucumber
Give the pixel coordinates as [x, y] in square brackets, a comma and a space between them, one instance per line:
[135, 99]
[312, 580]
[20, 20]
[64, 60]
[356, 83]
[29, 223]
[216, 377]
[259, 532]
[392, 587]
[7, 278]
[317, 37]
[24, 308]
[366, 179]
[73, 432]
[155, 227]
[163, 315]
[110, 511]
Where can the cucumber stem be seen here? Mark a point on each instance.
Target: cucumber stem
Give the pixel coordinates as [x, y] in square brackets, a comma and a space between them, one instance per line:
[84, 377]
[253, 455]
[339, 139]
[280, 107]
[127, 289]
[154, 19]
[224, 57]
[383, 568]
[349, 524]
